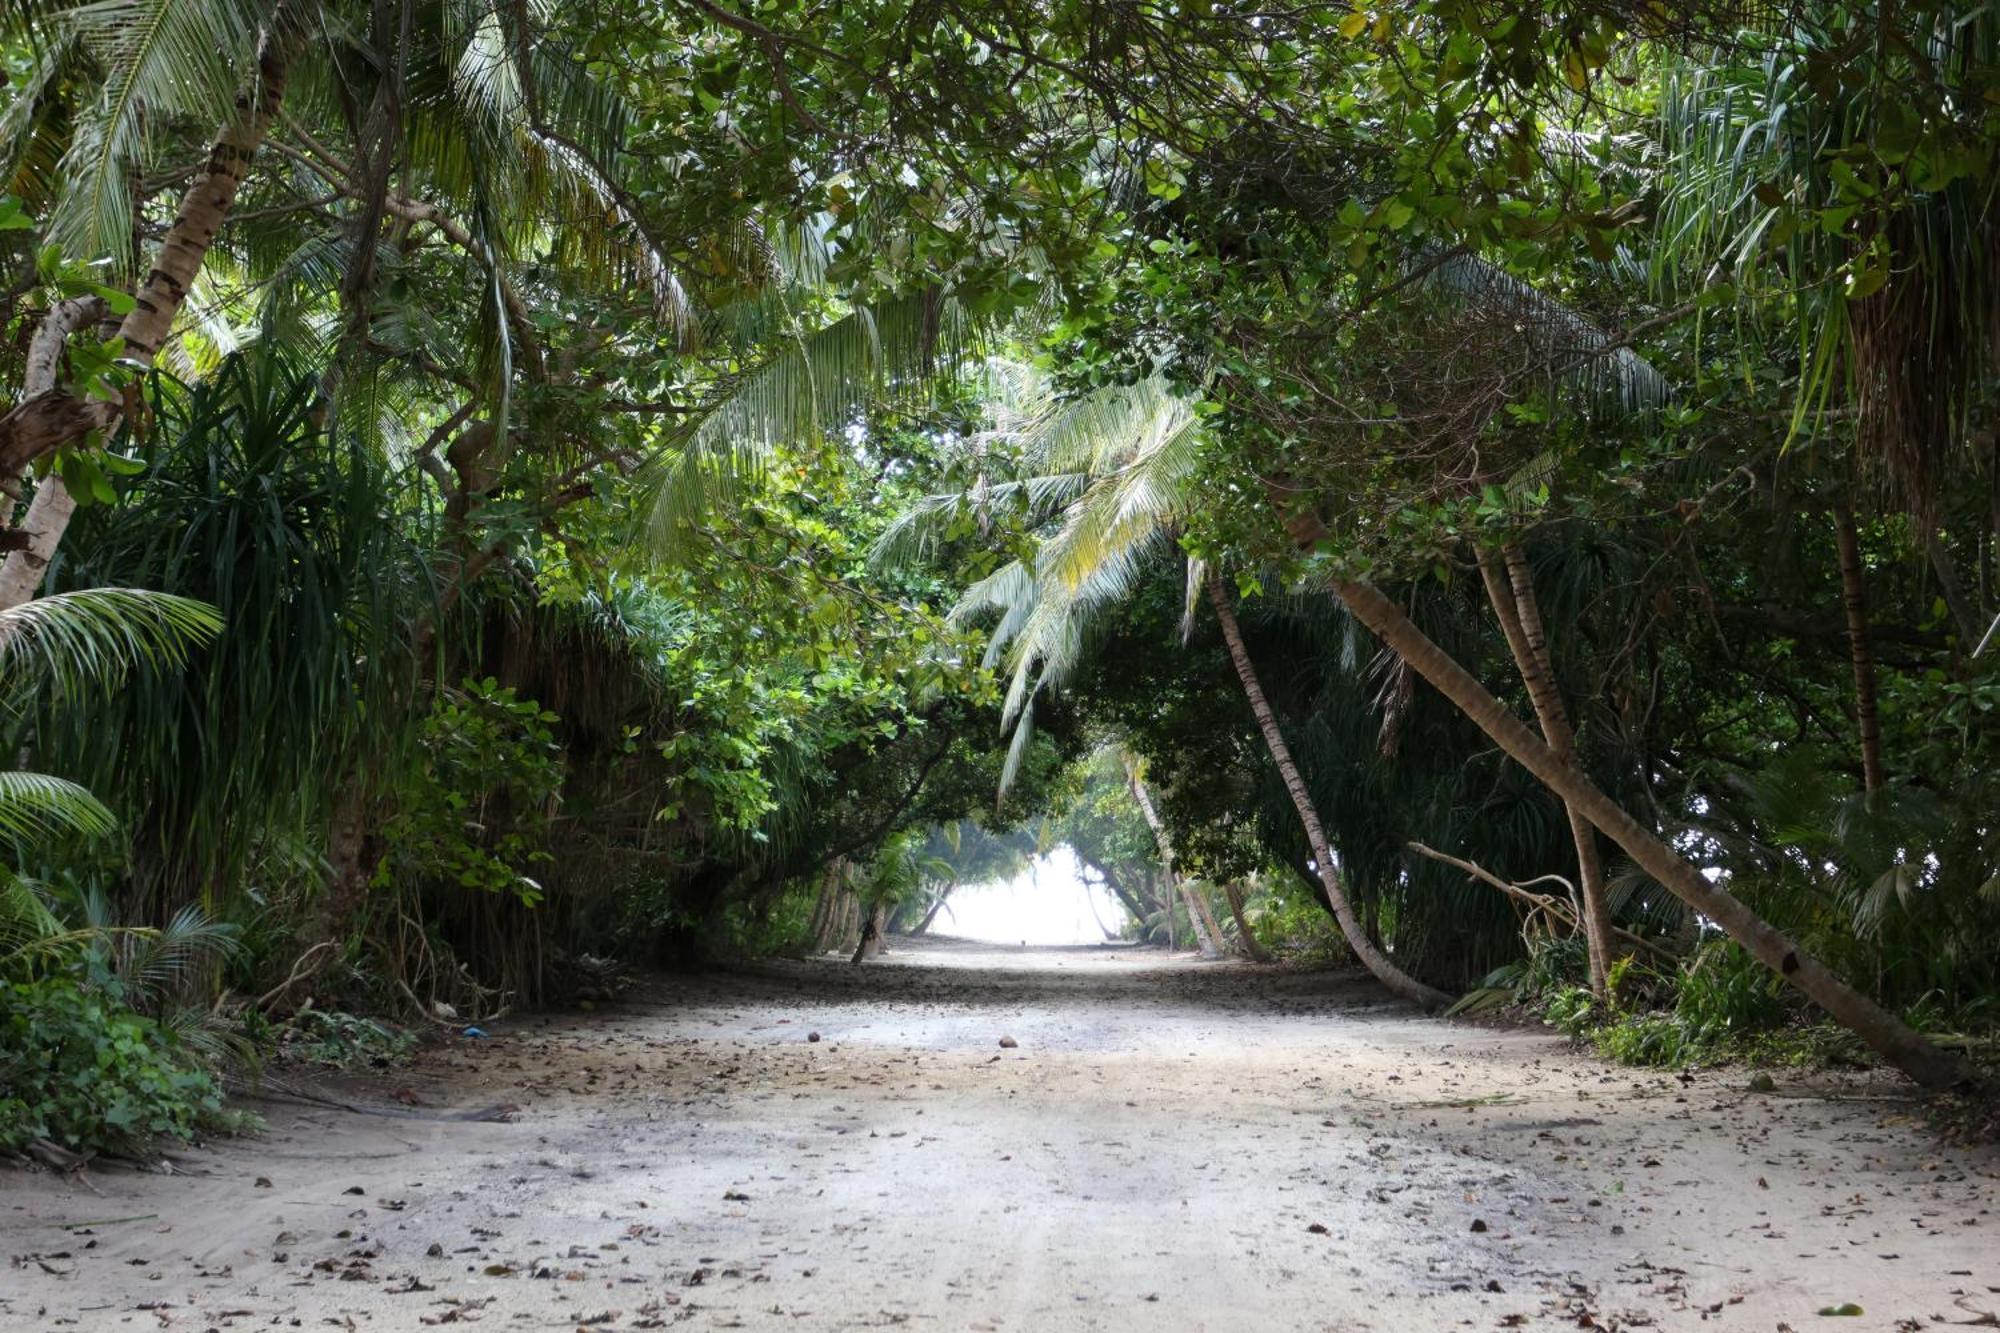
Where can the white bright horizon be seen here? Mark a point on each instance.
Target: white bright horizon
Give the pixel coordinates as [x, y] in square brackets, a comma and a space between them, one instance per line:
[1047, 904]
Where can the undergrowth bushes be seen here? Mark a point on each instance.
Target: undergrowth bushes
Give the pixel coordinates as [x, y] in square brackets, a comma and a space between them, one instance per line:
[80, 1070]
[1719, 1005]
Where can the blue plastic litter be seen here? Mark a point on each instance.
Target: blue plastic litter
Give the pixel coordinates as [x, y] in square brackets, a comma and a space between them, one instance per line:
[473, 1032]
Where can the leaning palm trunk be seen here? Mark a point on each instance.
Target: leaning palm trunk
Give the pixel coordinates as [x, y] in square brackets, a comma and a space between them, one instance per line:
[1398, 982]
[1520, 615]
[1207, 934]
[1888, 1035]
[1234, 893]
[1854, 599]
[54, 419]
[870, 944]
[1207, 931]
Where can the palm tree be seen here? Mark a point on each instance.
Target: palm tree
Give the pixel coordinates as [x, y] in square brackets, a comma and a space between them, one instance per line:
[1398, 982]
[1207, 934]
[1518, 610]
[1120, 514]
[464, 125]
[172, 55]
[1854, 217]
[73, 646]
[1116, 474]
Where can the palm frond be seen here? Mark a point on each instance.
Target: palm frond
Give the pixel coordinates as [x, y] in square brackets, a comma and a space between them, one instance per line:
[90, 639]
[806, 387]
[162, 59]
[35, 807]
[1571, 352]
[25, 920]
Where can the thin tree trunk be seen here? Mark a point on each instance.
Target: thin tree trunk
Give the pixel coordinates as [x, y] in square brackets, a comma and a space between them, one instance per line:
[1234, 893]
[935, 908]
[1090, 900]
[53, 419]
[1207, 934]
[1854, 596]
[822, 913]
[1888, 1035]
[850, 919]
[1398, 982]
[1519, 612]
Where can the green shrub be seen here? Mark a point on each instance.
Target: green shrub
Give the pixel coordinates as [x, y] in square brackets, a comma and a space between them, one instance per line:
[1292, 924]
[475, 810]
[82, 1071]
[1723, 1001]
[1725, 994]
[1571, 1010]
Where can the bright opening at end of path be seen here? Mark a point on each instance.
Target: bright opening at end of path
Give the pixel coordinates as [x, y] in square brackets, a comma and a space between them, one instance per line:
[1048, 903]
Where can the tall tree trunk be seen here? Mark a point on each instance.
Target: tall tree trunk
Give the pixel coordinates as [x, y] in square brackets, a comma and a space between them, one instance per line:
[1200, 920]
[822, 913]
[1398, 982]
[1234, 893]
[1520, 615]
[54, 419]
[1888, 1035]
[49, 511]
[1854, 596]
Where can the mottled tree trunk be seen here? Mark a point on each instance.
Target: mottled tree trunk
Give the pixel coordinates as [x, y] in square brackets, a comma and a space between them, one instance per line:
[1854, 598]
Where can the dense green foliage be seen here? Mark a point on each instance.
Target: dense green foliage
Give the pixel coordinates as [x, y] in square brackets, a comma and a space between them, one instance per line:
[91, 1076]
[657, 479]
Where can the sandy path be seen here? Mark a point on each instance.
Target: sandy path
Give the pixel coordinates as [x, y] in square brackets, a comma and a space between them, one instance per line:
[1171, 1146]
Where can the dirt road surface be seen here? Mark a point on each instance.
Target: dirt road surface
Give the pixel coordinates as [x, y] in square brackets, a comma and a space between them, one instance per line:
[1167, 1145]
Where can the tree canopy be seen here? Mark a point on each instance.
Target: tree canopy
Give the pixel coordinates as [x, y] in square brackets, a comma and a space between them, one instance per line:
[671, 476]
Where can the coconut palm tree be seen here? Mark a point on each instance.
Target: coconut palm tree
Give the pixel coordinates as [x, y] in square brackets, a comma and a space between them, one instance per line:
[1112, 476]
[459, 130]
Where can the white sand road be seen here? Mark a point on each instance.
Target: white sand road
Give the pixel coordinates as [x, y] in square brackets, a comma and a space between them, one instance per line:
[1171, 1145]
